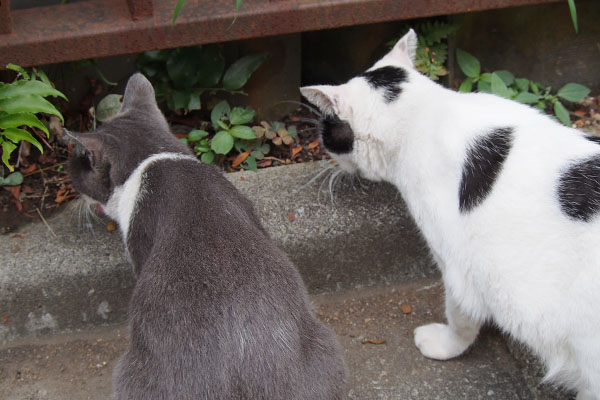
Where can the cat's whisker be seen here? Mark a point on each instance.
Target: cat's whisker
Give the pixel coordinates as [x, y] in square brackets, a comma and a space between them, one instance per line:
[316, 176]
[334, 178]
[309, 121]
[309, 107]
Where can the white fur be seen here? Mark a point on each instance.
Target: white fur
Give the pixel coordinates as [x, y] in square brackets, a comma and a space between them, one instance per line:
[516, 259]
[122, 203]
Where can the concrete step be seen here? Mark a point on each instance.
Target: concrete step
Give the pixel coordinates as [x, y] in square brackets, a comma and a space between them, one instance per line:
[375, 334]
[66, 276]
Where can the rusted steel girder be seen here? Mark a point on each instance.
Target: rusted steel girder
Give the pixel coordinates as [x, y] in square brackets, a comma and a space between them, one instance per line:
[99, 28]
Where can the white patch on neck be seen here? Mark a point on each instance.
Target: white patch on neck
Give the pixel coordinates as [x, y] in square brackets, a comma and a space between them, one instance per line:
[122, 203]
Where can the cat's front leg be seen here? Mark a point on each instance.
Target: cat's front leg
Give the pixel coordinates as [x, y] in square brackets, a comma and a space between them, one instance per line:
[445, 341]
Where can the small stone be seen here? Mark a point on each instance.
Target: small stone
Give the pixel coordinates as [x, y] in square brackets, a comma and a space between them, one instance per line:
[406, 308]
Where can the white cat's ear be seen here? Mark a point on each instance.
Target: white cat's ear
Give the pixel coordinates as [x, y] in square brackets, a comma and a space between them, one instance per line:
[406, 47]
[325, 97]
[139, 94]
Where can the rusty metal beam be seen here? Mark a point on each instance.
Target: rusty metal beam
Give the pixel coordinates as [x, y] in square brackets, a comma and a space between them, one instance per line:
[99, 28]
[5, 20]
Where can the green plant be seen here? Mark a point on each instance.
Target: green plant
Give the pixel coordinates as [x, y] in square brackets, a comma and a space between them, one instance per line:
[432, 47]
[573, 12]
[180, 76]
[20, 101]
[503, 83]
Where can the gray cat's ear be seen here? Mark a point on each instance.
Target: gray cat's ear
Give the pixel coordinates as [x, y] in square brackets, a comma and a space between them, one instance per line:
[406, 47]
[139, 95]
[325, 97]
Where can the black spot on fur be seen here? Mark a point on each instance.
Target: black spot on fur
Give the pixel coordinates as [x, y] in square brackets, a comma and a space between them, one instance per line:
[388, 78]
[579, 189]
[337, 135]
[482, 165]
[594, 139]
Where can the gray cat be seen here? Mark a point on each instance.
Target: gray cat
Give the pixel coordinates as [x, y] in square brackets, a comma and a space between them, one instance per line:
[218, 311]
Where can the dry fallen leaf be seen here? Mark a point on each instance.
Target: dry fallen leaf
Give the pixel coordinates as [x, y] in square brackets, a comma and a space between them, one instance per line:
[291, 217]
[4, 319]
[16, 192]
[61, 196]
[371, 341]
[264, 163]
[240, 159]
[29, 170]
[314, 144]
[406, 308]
[296, 151]
[111, 226]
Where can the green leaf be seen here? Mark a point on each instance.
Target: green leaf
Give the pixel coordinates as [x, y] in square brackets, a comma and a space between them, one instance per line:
[573, 12]
[484, 87]
[28, 104]
[20, 70]
[24, 88]
[177, 10]
[250, 164]
[222, 143]
[466, 86]
[240, 71]
[210, 66]
[199, 149]
[527, 98]
[241, 115]
[17, 135]
[43, 76]
[242, 132]
[522, 84]
[157, 55]
[194, 103]
[561, 113]
[23, 119]
[507, 77]
[108, 107]
[468, 64]
[219, 111]
[196, 135]
[180, 99]
[292, 131]
[499, 87]
[7, 149]
[14, 179]
[208, 157]
[182, 66]
[573, 92]
[238, 5]
[257, 154]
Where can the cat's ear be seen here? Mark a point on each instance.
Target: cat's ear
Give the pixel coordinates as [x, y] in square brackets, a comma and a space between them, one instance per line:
[85, 143]
[325, 97]
[406, 48]
[139, 95]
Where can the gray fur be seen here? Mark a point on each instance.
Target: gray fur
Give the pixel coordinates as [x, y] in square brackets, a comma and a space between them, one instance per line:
[218, 311]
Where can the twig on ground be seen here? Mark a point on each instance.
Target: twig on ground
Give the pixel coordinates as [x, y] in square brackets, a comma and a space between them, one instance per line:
[46, 223]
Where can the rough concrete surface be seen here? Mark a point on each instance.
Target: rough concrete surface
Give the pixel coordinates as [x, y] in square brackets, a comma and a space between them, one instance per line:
[75, 277]
[375, 334]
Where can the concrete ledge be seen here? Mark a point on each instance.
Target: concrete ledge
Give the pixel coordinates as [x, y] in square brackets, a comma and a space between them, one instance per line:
[82, 278]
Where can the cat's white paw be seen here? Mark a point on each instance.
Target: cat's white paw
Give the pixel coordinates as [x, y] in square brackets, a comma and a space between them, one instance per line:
[585, 395]
[439, 342]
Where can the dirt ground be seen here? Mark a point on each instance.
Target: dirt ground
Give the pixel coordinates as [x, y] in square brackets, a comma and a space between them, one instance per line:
[374, 326]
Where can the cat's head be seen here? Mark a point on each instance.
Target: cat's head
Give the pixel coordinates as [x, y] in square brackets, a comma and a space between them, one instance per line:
[103, 159]
[354, 115]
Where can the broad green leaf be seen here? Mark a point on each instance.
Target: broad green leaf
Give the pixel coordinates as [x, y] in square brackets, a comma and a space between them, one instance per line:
[241, 115]
[561, 113]
[468, 64]
[466, 86]
[194, 103]
[14, 179]
[29, 104]
[527, 98]
[25, 88]
[292, 131]
[250, 164]
[484, 87]
[17, 135]
[223, 125]
[210, 66]
[240, 71]
[222, 143]
[238, 5]
[7, 149]
[208, 157]
[220, 110]
[507, 77]
[177, 10]
[199, 149]
[43, 76]
[522, 84]
[486, 77]
[181, 99]
[182, 66]
[573, 92]
[23, 119]
[257, 154]
[16, 68]
[108, 107]
[499, 87]
[242, 132]
[196, 135]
